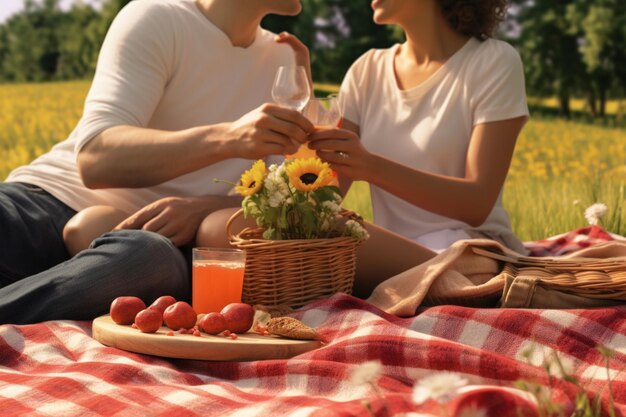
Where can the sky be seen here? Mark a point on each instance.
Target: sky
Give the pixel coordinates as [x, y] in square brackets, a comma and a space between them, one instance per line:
[10, 7]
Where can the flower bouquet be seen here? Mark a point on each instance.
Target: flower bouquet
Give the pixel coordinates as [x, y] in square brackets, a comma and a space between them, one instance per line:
[304, 244]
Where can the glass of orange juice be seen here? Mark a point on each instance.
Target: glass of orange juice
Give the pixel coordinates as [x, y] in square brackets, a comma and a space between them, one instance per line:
[217, 278]
[324, 113]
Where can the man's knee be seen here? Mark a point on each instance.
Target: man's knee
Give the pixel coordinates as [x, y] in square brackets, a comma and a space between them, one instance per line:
[153, 257]
[145, 247]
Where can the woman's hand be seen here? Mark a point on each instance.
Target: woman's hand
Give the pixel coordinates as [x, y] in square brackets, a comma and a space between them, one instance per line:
[301, 51]
[343, 149]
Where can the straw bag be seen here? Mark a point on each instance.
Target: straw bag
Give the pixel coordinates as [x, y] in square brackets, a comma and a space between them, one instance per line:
[297, 271]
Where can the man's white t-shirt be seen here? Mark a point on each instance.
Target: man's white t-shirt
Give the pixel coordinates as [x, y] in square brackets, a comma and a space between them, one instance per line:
[163, 65]
[428, 127]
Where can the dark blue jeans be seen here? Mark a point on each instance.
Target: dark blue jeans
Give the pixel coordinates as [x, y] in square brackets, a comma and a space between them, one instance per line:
[39, 281]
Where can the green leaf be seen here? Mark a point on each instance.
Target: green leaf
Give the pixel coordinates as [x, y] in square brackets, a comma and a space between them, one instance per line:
[327, 193]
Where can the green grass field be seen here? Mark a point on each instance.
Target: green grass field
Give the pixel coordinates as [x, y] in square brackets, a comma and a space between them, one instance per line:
[559, 167]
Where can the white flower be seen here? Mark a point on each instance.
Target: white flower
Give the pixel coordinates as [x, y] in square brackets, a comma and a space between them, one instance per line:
[365, 372]
[325, 223]
[277, 189]
[276, 172]
[331, 207]
[357, 231]
[561, 367]
[594, 212]
[440, 387]
[276, 199]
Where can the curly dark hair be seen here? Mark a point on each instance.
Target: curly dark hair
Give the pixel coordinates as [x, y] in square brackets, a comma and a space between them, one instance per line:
[477, 18]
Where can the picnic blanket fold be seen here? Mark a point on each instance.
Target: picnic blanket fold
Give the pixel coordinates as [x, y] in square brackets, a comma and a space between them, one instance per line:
[472, 273]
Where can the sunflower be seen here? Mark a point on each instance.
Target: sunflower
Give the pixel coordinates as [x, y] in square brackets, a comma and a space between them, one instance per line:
[252, 180]
[309, 174]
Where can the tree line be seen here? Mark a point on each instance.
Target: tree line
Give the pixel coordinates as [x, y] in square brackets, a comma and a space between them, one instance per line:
[570, 48]
[574, 48]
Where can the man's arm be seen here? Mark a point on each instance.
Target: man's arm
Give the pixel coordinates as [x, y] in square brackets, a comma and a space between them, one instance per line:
[134, 157]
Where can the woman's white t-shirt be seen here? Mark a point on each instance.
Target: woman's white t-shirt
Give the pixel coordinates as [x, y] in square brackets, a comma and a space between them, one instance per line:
[428, 127]
[163, 65]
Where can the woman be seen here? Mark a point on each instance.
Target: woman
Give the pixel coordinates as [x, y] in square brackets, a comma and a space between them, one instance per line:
[431, 124]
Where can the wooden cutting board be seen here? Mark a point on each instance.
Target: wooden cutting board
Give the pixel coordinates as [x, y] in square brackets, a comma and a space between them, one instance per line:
[248, 346]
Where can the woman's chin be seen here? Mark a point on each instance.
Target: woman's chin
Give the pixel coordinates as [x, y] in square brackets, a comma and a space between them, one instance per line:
[379, 18]
[292, 9]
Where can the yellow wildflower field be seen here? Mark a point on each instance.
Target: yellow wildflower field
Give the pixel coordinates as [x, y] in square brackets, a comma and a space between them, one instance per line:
[33, 117]
[559, 167]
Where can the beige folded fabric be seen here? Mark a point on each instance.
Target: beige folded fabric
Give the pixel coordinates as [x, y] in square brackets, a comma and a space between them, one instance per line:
[483, 273]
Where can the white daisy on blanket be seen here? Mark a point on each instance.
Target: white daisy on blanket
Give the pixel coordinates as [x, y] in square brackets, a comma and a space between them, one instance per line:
[595, 212]
[365, 373]
[440, 386]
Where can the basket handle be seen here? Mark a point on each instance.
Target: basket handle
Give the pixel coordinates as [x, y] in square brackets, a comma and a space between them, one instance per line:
[351, 215]
[229, 223]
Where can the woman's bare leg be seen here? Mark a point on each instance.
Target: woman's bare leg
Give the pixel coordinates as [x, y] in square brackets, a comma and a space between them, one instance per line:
[88, 224]
[212, 230]
[384, 255]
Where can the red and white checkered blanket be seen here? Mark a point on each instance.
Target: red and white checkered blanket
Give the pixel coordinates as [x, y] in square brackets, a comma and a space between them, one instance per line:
[57, 369]
[569, 242]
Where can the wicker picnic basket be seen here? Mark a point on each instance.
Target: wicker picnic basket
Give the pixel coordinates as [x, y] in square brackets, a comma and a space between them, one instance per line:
[594, 278]
[590, 277]
[297, 271]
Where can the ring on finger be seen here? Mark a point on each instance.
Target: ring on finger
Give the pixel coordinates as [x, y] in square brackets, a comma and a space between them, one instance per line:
[343, 155]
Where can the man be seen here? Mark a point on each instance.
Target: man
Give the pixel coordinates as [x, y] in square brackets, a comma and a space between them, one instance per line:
[177, 100]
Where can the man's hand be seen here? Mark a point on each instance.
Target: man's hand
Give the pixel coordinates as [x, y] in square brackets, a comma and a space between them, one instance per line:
[268, 130]
[177, 218]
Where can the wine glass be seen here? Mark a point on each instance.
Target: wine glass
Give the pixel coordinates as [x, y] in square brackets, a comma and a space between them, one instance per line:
[291, 87]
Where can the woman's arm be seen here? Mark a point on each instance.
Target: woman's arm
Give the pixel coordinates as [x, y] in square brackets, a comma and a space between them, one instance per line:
[300, 50]
[469, 199]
